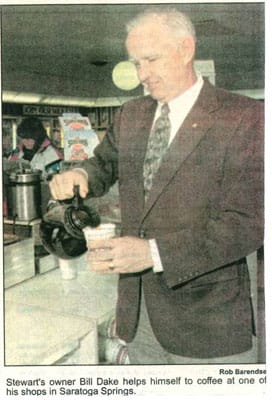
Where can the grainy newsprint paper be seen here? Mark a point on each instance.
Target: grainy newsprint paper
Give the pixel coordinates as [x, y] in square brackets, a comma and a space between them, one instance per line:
[51, 328]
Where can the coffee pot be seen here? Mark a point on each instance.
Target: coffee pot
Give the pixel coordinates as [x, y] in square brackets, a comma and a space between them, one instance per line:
[61, 228]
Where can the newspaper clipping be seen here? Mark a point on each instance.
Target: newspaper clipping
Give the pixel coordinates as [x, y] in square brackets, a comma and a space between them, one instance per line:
[168, 296]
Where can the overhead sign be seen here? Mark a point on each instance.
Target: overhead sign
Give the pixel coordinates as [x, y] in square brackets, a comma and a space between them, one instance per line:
[37, 109]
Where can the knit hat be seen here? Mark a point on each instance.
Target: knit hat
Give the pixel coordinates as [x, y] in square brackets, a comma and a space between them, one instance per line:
[32, 128]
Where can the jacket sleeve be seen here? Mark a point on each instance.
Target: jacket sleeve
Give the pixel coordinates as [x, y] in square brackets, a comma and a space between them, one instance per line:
[102, 169]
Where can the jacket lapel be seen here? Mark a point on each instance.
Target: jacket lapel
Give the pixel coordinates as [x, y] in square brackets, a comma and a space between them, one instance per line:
[194, 128]
[133, 150]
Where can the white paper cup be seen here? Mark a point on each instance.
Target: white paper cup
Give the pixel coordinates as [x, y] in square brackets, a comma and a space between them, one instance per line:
[68, 269]
[103, 231]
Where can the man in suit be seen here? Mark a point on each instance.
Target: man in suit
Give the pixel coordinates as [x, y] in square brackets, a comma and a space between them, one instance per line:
[188, 225]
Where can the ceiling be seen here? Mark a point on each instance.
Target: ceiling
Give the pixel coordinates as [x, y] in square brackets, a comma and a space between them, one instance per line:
[71, 50]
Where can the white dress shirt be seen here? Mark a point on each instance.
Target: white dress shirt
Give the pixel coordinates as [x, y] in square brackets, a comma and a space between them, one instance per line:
[179, 109]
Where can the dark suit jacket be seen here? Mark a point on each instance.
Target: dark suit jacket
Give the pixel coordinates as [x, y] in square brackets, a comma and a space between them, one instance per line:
[205, 211]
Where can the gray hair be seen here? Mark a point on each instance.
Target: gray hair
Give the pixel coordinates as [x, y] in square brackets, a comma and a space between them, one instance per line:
[178, 22]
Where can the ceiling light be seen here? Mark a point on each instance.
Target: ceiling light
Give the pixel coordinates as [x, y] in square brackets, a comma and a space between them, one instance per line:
[124, 75]
[17, 97]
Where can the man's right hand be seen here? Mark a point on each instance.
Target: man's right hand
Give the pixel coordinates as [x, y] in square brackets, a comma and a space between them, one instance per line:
[62, 185]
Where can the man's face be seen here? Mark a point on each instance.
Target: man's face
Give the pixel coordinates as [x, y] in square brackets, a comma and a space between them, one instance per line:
[161, 61]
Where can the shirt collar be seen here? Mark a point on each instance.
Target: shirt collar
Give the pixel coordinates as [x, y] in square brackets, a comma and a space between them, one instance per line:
[186, 99]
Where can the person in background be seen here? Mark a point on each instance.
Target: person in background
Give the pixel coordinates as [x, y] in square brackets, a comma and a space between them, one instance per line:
[6, 144]
[56, 138]
[189, 161]
[36, 147]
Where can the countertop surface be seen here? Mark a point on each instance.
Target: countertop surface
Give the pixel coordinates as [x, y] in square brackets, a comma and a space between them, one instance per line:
[47, 317]
[90, 295]
[35, 336]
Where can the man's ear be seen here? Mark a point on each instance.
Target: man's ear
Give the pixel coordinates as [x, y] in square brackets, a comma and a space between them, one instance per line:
[187, 49]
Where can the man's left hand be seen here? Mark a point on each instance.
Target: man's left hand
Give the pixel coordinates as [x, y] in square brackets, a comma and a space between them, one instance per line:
[119, 255]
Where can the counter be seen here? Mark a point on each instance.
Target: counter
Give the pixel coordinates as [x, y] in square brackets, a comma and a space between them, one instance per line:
[48, 318]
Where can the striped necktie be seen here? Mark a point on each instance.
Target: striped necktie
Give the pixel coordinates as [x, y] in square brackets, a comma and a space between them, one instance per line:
[156, 147]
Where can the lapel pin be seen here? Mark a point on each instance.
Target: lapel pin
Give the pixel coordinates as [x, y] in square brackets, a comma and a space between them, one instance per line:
[195, 125]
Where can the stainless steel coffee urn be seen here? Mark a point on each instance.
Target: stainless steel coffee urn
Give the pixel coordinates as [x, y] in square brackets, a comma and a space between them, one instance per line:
[23, 190]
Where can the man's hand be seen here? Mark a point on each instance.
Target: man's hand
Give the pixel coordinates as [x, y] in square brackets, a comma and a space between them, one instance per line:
[62, 185]
[119, 255]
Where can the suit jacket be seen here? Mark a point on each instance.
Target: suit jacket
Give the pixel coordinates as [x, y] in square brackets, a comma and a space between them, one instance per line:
[205, 210]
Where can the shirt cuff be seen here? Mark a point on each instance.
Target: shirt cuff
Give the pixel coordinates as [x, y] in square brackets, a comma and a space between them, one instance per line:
[157, 264]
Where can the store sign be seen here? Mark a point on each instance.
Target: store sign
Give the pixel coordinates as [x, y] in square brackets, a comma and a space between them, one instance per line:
[29, 109]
